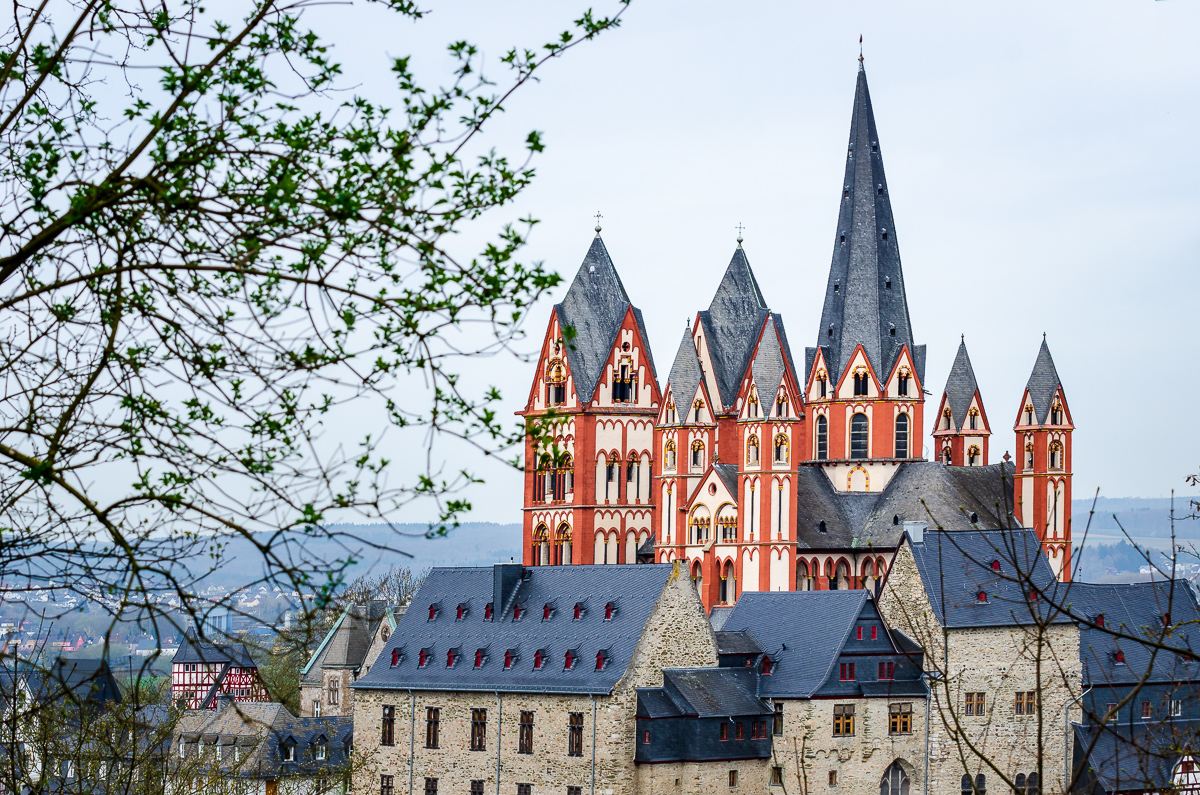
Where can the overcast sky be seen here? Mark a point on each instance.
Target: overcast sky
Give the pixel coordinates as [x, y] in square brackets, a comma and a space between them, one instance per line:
[1041, 158]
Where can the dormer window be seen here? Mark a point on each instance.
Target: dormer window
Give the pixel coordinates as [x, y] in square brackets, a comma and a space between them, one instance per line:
[461, 612]
[547, 611]
[395, 657]
[578, 611]
[322, 749]
[1166, 620]
[487, 612]
[510, 656]
[569, 661]
[1119, 657]
[287, 750]
[1100, 620]
[821, 528]
[517, 612]
[974, 517]
[995, 565]
[610, 610]
[878, 188]
[768, 665]
[451, 657]
[423, 657]
[601, 659]
[539, 658]
[433, 611]
[981, 597]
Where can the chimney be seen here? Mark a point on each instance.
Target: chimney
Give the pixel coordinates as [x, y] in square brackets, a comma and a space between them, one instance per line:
[224, 700]
[505, 579]
[915, 531]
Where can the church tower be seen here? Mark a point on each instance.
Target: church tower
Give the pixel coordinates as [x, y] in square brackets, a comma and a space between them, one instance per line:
[1043, 480]
[590, 417]
[865, 376]
[961, 430]
[728, 438]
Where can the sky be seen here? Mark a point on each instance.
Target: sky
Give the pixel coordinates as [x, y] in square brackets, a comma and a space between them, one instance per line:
[1041, 160]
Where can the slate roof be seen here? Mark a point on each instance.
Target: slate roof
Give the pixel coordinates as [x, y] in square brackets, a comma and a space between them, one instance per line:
[1142, 758]
[685, 375]
[956, 565]
[859, 519]
[87, 681]
[738, 641]
[729, 475]
[1135, 610]
[863, 310]
[732, 324]
[348, 641]
[785, 623]
[634, 589]
[768, 367]
[595, 305]
[194, 650]
[961, 387]
[1043, 383]
[713, 692]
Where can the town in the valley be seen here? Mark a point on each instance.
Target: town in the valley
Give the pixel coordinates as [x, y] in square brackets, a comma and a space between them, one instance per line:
[746, 567]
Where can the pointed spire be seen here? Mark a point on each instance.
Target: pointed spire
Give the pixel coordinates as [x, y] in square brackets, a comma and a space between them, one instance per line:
[961, 386]
[865, 301]
[732, 323]
[1043, 383]
[594, 306]
[685, 375]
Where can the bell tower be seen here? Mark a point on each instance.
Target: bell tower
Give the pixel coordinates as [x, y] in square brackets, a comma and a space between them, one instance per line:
[1043, 427]
[960, 429]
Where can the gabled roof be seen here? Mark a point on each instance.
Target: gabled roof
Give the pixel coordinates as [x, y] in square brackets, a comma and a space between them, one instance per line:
[728, 473]
[86, 681]
[865, 298]
[714, 692]
[732, 324]
[801, 664]
[685, 375]
[1043, 383]
[740, 641]
[348, 641]
[633, 589]
[916, 490]
[1136, 610]
[955, 566]
[961, 387]
[194, 650]
[769, 366]
[595, 305]
[1141, 757]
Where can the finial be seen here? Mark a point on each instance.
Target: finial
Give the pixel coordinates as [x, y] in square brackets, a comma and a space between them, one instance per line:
[1043, 336]
[739, 227]
[962, 338]
[598, 217]
[860, 55]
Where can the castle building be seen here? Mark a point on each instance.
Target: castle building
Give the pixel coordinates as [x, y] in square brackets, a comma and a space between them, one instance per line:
[346, 653]
[759, 476]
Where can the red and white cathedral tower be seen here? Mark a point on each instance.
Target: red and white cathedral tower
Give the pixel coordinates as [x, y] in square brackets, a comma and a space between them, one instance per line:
[1042, 492]
[591, 414]
[961, 430]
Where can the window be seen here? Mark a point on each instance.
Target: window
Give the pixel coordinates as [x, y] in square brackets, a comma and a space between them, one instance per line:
[858, 436]
[333, 691]
[973, 418]
[697, 454]
[433, 726]
[822, 438]
[316, 707]
[524, 789]
[1110, 712]
[670, 454]
[902, 385]
[624, 388]
[1029, 415]
[858, 634]
[1025, 703]
[322, 749]
[1147, 710]
[1176, 708]
[477, 786]
[389, 726]
[1031, 785]
[1055, 455]
[846, 672]
[575, 734]
[539, 657]
[777, 729]
[781, 406]
[887, 670]
[973, 455]
[843, 720]
[860, 384]
[574, 790]
[387, 785]
[776, 776]
[900, 718]
[556, 383]
[430, 786]
[478, 729]
[781, 449]
[874, 633]
[833, 778]
[824, 384]
[699, 404]
[732, 778]
[901, 436]
[975, 703]
[752, 450]
[525, 734]
[288, 751]
[646, 737]
[724, 732]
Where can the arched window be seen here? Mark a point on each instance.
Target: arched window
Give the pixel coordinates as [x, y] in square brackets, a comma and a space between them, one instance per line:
[781, 448]
[541, 546]
[633, 477]
[669, 454]
[822, 383]
[947, 455]
[1029, 415]
[752, 409]
[781, 406]
[973, 416]
[624, 386]
[697, 455]
[699, 404]
[1029, 455]
[822, 438]
[966, 785]
[860, 383]
[858, 436]
[1031, 785]
[1056, 414]
[902, 382]
[556, 383]
[1055, 451]
[1019, 784]
[980, 785]
[946, 417]
[752, 449]
[901, 436]
[894, 781]
[973, 455]
[562, 545]
[672, 415]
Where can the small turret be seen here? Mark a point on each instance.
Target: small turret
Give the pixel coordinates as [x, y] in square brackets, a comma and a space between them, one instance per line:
[961, 430]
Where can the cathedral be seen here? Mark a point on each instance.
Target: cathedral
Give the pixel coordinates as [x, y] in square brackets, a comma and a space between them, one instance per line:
[760, 476]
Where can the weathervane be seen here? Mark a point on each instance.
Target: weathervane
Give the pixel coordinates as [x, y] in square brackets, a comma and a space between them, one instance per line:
[739, 227]
[598, 217]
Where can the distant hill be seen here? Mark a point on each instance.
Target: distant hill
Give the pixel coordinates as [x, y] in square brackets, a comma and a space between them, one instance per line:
[1140, 516]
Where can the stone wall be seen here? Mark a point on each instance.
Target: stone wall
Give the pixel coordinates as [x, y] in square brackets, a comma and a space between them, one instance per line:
[705, 778]
[861, 760]
[312, 692]
[998, 662]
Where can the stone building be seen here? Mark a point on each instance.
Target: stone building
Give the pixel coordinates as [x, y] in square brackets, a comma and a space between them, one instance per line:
[1003, 657]
[349, 648]
[754, 472]
[848, 700]
[524, 680]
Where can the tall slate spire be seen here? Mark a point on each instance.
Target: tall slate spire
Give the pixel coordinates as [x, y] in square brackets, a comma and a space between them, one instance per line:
[960, 387]
[731, 324]
[865, 302]
[1043, 383]
[594, 306]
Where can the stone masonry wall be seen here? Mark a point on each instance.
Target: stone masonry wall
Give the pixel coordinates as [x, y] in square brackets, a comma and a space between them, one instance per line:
[998, 662]
[705, 778]
[860, 760]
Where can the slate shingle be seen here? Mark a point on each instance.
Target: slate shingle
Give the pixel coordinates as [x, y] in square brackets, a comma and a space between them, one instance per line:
[1043, 383]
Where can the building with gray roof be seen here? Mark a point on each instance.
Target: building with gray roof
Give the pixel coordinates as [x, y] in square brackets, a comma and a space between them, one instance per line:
[344, 654]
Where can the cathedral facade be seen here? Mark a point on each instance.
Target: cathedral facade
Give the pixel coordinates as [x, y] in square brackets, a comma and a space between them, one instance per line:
[759, 475]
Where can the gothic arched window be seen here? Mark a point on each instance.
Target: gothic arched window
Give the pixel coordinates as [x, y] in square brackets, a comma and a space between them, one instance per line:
[823, 383]
[822, 438]
[1029, 455]
[895, 781]
[624, 386]
[946, 416]
[973, 415]
[947, 455]
[781, 406]
[556, 383]
[902, 383]
[752, 449]
[1055, 451]
[972, 455]
[541, 545]
[858, 436]
[1029, 415]
[699, 404]
[752, 410]
[860, 383]
[697, 455]
[562, 545]
[1056, 414]
[540, 475]
[781, 448]
[669, 454]
[901, 436]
